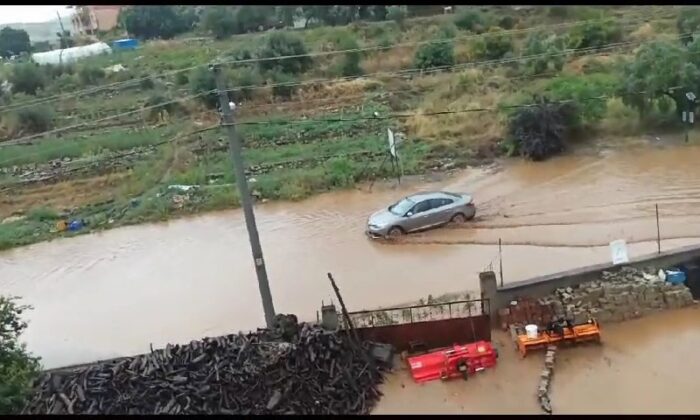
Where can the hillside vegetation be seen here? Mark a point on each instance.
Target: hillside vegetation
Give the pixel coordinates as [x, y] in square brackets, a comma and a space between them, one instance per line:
[463, 88]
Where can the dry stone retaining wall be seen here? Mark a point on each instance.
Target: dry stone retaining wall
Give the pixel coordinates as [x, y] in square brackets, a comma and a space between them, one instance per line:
[626, 294]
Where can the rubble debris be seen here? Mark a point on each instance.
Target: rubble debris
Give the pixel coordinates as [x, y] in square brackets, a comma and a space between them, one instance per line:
[314, 372]
[546, 380]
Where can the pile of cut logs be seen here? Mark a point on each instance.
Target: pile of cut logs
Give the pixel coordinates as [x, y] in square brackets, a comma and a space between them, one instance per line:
[290, 369]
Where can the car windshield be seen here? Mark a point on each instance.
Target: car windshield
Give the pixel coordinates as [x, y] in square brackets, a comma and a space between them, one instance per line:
[402, 207]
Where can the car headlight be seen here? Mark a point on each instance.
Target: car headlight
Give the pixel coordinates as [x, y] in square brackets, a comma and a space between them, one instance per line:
[372, 226]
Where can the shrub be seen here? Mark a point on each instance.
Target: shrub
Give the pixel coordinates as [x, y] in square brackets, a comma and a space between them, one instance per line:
[436, 54]
[90, 75]
[181, 78]
[42, 214]
[580, 89]
[471, 20]
[27, 78]
[202, 80]
[688, 21]
[397, 13]
[18, 368]
[493, 46]
[558, 11]
[282, 44]
[447, 31]
[159, 103]
[243, 79]
[287, 88]
[538, 132]
[507, 22]
[595, 34]
[349, 63]
[284, 85]
[34, 119]
[147, 84]
[340, 172]
[220, 21]
[545, 52]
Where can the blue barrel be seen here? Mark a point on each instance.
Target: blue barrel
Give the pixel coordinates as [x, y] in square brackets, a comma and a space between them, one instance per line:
[75, 225]
[675, 276]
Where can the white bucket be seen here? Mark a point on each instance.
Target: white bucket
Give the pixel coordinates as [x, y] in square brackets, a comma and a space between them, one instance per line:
[531, 330]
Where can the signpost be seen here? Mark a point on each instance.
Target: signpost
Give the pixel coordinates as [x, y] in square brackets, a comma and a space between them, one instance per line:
[618, 252]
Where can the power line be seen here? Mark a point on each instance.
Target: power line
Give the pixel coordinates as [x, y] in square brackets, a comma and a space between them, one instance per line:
[87, 123]
[23, 139]
[114, 85]
[451, 66]
[464, 65]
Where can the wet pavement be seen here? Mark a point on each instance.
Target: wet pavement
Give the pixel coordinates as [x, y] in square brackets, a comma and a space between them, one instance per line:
[113, 293]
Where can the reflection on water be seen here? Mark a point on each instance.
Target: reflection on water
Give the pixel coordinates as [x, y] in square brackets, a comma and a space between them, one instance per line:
[116, 292]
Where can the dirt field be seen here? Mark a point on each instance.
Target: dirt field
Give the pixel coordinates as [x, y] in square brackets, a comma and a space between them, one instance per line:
[645, 366]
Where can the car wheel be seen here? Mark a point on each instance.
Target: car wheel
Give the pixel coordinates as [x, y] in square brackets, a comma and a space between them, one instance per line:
[458, 219]
[395, 232]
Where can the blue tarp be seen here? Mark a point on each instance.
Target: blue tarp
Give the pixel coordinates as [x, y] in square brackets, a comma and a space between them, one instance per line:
[125, 44]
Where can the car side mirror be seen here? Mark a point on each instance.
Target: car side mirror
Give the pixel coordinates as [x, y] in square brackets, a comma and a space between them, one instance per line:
[409, 214]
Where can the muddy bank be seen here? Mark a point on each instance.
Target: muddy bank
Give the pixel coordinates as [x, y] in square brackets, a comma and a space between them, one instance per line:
[640, 368]
[113, 293]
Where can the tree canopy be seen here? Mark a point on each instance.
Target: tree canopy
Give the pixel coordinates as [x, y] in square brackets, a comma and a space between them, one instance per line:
[17, 367]
[14, 42]
[149, 22]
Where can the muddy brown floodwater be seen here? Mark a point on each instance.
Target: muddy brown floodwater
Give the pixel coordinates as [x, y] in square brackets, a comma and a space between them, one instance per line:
[113, 293]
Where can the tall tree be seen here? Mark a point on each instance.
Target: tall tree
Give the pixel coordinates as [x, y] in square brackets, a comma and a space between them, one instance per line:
[148, 22]
[17, 367]
[14, 42]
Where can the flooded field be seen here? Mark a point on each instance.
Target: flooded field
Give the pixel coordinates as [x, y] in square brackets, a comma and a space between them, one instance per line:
[644, 366]
[114, 293]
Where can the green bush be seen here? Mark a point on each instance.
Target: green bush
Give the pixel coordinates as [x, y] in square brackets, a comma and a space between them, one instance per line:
[545, 52]
[147, 84]
[90, 75]
[558, 11]
[219, 21]
[202, 80]
[27, 78]
[158, 103]
[581, 89]
[507, 22]
[340, 172]
[397, 13]
[471, 20]
[539, 132]
[437, 54]
[181, 78]
[287, 88]
[347, 64]
[43, 214]
[243, 79]
[18, 368]
[281, 44]
[34, 119]
[595, 34]
[688, 21]
[494, 45]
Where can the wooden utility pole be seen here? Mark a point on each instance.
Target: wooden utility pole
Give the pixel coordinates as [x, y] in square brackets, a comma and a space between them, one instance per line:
[658, 231]
[500, 261]
[239, 171]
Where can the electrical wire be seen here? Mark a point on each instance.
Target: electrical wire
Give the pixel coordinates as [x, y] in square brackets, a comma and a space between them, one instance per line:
[14, 107]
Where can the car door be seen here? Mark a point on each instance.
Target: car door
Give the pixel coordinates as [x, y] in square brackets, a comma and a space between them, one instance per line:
[441, 211]
[417, 218]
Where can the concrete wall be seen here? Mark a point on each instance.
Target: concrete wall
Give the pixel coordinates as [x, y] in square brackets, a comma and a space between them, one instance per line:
[543, 285]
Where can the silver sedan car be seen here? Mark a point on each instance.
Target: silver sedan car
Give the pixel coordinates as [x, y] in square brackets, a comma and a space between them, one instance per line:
[419, 212]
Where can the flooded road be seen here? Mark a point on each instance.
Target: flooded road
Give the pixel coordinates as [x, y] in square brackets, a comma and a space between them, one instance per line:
[641, 368]
[114, 293]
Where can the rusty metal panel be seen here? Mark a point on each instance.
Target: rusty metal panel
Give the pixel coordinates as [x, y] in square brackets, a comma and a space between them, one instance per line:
[434, 334]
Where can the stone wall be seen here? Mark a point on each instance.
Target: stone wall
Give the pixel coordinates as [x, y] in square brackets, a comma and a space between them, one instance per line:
[617, 296]
[501, 296]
